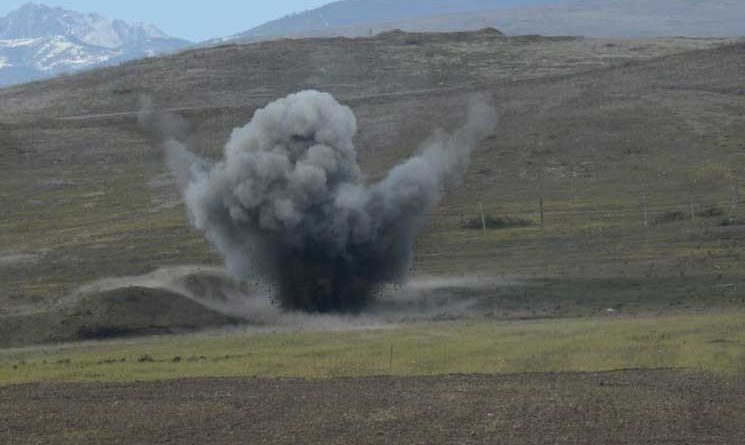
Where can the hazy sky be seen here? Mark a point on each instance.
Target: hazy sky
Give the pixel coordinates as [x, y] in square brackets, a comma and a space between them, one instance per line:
[189, 19]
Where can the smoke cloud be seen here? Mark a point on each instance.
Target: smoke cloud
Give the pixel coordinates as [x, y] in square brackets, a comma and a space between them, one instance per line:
[289, 205]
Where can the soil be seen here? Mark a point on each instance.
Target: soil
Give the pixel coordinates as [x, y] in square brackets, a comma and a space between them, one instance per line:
[625, 407]
[128, 311]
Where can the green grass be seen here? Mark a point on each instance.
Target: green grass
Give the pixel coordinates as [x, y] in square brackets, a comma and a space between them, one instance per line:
[708, 342]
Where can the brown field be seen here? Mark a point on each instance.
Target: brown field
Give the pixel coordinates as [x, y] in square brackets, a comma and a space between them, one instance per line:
[625, 407]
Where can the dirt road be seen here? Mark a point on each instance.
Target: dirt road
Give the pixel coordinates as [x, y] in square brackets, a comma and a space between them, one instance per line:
[630, 407]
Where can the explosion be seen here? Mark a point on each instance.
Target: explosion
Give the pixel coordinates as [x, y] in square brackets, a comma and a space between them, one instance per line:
[289, 205]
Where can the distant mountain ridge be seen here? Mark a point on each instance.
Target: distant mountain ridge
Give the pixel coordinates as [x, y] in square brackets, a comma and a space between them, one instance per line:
[38, 41]
[360, 12]
[592, 18]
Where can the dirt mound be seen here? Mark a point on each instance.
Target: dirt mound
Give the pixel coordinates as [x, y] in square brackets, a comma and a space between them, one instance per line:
[213, 287]
[121, 312]
[142, 311]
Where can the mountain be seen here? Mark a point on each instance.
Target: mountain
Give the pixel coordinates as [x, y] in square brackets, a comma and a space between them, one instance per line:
[38, 41]
[347, 13]
[592, 18]
[627, 18]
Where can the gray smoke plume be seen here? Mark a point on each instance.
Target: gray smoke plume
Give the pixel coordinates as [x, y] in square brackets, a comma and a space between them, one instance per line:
[289, 204]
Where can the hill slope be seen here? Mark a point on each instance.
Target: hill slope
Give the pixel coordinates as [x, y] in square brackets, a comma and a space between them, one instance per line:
[591, 126]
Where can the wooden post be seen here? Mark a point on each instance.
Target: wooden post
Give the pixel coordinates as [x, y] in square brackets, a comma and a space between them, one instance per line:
[540, 206]
[483, 217]
[390, 361]
[644, 210]
[693, 213]
[735, 201]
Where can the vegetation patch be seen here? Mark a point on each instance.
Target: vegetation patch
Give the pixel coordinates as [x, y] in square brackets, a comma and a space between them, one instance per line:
[495, 222]
[731, 222]
[705, 342]
[671, 217]
[710, 212]
[103, 332]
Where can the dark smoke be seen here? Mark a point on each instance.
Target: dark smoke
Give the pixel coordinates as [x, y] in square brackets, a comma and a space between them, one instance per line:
[289, 204]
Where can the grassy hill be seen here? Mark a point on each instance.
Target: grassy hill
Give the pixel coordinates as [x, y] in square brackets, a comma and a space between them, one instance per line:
[592, 127]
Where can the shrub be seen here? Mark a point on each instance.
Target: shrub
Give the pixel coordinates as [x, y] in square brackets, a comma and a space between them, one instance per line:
[499, 222]
[731, 222]
[710, 212]
[670, 217]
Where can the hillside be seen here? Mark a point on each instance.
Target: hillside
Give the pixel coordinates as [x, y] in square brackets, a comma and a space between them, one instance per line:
[592, 126]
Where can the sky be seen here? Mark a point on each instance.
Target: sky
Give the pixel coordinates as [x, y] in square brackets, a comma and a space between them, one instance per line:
[188, 19]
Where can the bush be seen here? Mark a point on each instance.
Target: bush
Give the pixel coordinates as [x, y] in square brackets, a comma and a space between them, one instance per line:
[670, 217]
[710, 212]
[731, 222]
[499, 222]
[102, 332]
[675, 216]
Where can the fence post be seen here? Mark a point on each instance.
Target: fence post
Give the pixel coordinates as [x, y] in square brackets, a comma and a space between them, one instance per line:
[390, 361]
[693, 213]
[735, 200]
[540, 206]
[483, 218]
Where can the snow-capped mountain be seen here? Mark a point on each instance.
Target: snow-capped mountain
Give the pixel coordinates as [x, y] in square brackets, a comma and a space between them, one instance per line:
[38, 41]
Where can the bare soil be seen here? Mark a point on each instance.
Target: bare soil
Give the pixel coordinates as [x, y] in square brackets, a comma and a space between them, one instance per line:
[625, 407]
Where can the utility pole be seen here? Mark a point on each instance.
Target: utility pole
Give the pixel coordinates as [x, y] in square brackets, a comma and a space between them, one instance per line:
[644, 210]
